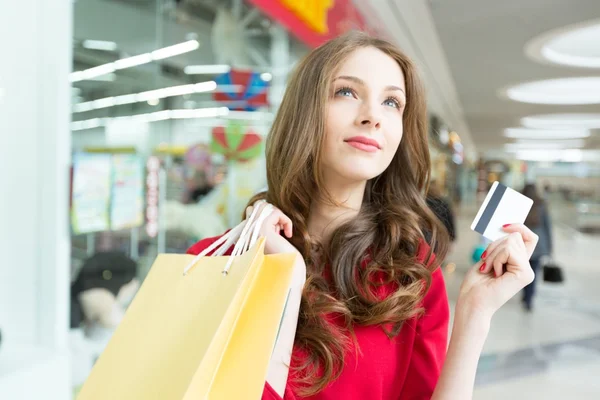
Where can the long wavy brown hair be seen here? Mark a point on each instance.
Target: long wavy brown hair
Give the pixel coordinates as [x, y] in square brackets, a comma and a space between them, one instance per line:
[382, 240]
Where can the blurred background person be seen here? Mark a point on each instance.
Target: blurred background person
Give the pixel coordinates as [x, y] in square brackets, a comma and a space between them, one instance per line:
[538, 221]
[442, 209]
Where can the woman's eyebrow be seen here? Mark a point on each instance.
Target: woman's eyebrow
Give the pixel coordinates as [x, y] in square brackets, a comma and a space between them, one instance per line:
[359, 81]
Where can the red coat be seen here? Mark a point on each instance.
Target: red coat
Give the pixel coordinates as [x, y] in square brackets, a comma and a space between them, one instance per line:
[405, 367]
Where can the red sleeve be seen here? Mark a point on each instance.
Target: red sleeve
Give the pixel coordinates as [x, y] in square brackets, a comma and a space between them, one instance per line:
[269, 393]
[202, 244]
[429, 350]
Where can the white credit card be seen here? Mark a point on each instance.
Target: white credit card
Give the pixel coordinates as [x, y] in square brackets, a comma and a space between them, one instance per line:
[501, 206]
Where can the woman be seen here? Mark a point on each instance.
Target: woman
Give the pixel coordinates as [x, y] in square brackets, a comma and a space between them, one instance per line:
[538, 221]
[347, 169]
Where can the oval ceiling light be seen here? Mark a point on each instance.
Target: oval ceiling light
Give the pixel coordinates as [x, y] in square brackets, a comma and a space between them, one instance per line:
[580, 90]
[566, 155]
[547, 134]
[559, 121]
[544, 144]
[573, 45]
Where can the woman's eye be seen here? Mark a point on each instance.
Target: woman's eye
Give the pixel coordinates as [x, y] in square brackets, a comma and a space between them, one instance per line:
[392, 102]
[344, 92]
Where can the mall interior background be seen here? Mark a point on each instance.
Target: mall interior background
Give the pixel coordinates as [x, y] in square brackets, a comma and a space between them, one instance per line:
[137, 126]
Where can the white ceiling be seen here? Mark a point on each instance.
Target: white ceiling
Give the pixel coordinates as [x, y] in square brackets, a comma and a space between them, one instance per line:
[484, 42]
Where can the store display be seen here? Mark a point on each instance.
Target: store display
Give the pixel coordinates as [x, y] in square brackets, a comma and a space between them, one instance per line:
[317, 21]
[91, 193]
[243, 90]
[236, 144]
[127, 204]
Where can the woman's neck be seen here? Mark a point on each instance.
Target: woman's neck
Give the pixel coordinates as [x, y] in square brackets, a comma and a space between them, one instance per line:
[324, 217]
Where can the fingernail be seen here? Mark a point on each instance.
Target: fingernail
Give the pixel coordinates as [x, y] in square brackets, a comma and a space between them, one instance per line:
[482, 267]
[484, 254]
[505, 225]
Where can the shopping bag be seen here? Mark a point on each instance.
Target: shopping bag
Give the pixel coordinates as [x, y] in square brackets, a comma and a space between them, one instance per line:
[203, 335]
[552, 272]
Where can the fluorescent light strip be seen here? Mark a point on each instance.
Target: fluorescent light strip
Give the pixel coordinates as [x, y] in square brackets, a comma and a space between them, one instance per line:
[528, 133]
[140, 59]
[559, 144]
[567, 155]
[156, 94]
[175, 50]
[134, 61]
[198, 113]
[102, 45]
[206, 69]
[563, 121]
[154, 116]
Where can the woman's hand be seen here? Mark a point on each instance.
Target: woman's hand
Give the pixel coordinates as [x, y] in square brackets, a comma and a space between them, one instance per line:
[503, 271]
[271, 229]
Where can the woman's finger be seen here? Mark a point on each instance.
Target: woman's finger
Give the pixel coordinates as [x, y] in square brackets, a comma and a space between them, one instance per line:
[529, 238]
[496, 260]
[491, 247]
[284, 223]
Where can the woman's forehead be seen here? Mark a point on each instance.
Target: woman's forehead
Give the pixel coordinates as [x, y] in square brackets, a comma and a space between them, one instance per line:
[373, 67]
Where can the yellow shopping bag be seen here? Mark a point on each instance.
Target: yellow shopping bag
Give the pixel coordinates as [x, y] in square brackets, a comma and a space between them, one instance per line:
[204, 335]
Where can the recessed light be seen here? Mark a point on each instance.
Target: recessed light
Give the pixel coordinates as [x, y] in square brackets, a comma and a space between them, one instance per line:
[579, 90]
[573, 45]
[545, 144]
[568, 155]
[560, 121]
[529, 133]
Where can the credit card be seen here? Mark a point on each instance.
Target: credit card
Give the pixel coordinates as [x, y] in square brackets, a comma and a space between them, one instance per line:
[502, 205]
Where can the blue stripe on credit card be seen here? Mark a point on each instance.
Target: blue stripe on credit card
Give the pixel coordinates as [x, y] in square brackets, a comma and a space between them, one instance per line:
[490, 209]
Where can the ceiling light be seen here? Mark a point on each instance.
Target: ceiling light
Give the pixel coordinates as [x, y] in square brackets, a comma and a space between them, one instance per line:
[125, 99]
[150, 95]
[528, 133]
[106, 77]
[175, 50]
[265, 76]
[206, 69]
[163, 115]
[575, 45]
[558, 121]
[104, 103]
[133, 61]
[568, 155]
[153, 102]
[537, 144]
[102, 45]
[98, 71]
[140, 59]
[580, 90]
[87, 124]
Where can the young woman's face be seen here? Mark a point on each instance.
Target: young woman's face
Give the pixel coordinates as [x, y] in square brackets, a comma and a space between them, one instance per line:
[364, 116]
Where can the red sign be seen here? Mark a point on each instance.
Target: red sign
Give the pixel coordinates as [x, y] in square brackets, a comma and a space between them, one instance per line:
[314, 21]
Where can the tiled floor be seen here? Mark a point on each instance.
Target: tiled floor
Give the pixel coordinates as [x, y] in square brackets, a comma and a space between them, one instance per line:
[554, 351]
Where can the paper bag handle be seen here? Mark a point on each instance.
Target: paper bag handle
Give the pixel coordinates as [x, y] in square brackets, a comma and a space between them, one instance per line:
[243, 235]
